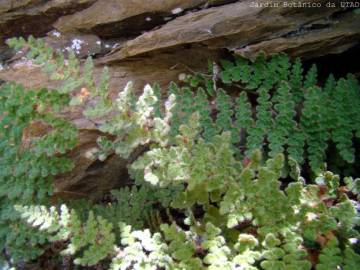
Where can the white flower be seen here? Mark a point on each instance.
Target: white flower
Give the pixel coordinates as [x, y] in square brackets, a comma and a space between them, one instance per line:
[90, 154]
[177, 10]
[311, 216]
[76, 45]
[353, 240]
[182, 76]
[56, 34]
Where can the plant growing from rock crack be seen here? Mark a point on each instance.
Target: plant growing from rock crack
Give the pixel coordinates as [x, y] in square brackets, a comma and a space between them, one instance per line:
[196, 203]
[292, 113]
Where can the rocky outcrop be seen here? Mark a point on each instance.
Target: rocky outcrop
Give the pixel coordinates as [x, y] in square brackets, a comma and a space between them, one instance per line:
[130, 28]
[123, 17]
[316, 39]
[238, 27]
[155, 41]
[25, 17]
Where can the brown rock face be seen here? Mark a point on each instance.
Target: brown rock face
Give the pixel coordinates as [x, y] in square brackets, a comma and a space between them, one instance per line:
[154, 41]
[91, 178]
[25, 17]
[114, 17]
[240, 27]
[331, 37]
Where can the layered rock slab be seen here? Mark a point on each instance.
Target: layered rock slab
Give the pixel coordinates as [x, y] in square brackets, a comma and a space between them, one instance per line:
[25, 17]
[238, 26]
[123, 17]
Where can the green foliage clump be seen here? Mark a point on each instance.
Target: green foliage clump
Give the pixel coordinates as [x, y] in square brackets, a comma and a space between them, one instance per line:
[140, 250]
[33, 140]
[26, 154]
[135, 206]
[135, 124]
[196, 203]
[268, 228]
[292, 114]
[233, 196]
[94, 237]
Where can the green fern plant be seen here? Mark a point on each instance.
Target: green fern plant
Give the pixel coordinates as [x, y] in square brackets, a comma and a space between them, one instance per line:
[293, 114]
[259, 225]
[33, 141]
[234, 213]
[94, 237]
[140, 249]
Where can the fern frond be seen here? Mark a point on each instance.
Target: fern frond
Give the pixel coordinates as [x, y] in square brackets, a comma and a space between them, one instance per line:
[202, 106]
[263, 122]
[313, 122]
[296, 81]
[284, 123]
[310, 79]
[343, 126]
[225, 113]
